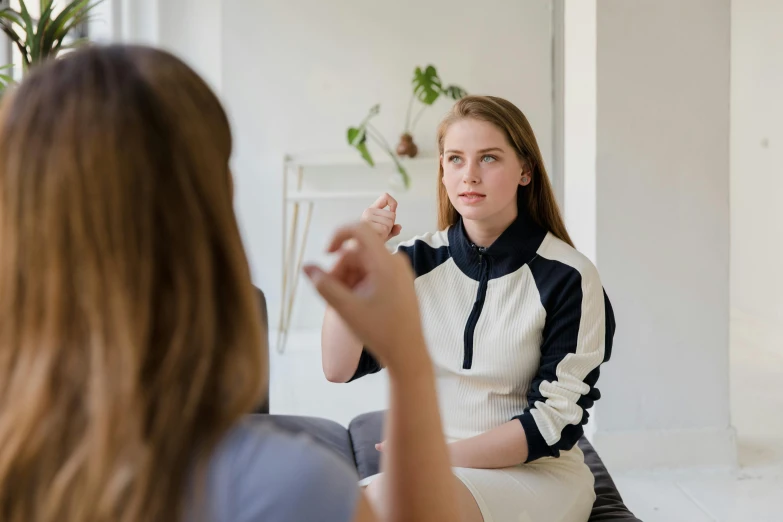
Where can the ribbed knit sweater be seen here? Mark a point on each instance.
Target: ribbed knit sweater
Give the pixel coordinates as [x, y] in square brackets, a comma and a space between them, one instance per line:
[517, 330]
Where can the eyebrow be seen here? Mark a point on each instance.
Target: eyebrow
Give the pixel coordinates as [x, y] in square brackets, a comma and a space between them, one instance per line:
[482, 151]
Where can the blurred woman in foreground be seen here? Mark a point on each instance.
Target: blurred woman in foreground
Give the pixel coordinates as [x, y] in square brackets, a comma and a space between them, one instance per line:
[128, 325]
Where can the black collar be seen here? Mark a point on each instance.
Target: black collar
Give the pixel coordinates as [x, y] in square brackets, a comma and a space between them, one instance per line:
[516, 246]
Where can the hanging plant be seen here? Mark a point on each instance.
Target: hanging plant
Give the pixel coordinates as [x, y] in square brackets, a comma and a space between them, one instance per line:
[357, 138]
[427, 89]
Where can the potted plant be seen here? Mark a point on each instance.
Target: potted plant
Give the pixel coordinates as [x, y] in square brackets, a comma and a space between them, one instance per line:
[45, 38]
[427, 89]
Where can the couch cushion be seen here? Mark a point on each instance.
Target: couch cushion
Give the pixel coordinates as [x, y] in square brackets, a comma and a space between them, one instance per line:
[367, 430]
[328, 433]
[609, 505]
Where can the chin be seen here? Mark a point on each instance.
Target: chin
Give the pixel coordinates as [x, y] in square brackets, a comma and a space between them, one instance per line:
[472, 213]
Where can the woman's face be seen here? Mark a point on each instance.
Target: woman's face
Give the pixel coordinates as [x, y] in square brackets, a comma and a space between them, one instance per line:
[481, 172]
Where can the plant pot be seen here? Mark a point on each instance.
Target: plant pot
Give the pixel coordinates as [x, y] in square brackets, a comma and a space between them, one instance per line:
[406, 146]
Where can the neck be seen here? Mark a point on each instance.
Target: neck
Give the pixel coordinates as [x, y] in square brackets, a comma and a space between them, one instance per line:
[484, 232]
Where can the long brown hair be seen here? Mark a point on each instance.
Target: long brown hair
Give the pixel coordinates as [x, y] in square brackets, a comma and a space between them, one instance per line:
[129, 333]
[537, 197]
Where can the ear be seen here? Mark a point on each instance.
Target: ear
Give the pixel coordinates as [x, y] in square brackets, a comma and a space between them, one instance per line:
[525, 178]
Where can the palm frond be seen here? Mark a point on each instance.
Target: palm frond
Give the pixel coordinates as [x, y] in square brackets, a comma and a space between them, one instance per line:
[16, 39]
[69, 18]
[47, 8]
[29, 26]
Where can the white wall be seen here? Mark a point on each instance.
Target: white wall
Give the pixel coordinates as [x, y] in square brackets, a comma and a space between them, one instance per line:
[663, 230]
[192, 29]
[139, 21]
[757, 161]
[296, 74]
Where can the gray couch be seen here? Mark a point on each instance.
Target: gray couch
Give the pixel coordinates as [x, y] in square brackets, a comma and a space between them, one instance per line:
[357, 446]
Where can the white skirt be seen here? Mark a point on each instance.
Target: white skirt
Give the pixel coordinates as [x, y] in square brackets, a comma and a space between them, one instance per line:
[546, 490]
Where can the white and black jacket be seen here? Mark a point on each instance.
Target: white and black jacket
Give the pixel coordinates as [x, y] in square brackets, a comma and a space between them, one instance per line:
[517, 330]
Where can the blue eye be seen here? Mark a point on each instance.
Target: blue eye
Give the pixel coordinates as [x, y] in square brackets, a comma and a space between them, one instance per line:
[488, 158]
[455, 159]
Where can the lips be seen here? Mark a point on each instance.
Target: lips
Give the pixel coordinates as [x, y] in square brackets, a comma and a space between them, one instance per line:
[471, 197]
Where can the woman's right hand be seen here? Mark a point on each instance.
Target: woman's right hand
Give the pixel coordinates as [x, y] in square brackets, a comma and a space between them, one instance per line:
[372, 290]
[382, 220]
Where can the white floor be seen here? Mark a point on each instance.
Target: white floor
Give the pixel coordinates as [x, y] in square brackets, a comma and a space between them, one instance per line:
[752, 493]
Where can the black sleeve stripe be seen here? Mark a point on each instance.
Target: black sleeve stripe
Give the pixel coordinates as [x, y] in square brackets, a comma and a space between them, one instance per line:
[426, 254]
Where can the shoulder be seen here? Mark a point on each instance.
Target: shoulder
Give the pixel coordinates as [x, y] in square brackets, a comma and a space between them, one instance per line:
[561, 271]
[426, 252]
[556, 250]
[259, 472]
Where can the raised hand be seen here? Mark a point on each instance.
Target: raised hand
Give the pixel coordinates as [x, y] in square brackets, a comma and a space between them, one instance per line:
[381, 216]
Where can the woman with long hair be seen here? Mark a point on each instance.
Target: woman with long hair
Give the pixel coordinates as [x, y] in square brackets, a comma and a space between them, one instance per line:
[130, 345]
[516, 322]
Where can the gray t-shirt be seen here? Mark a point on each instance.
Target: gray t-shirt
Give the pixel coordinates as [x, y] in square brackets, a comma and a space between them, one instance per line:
[261, 474]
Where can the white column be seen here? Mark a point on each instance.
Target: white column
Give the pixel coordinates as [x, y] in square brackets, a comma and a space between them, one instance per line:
[579, 122]
[662, 200]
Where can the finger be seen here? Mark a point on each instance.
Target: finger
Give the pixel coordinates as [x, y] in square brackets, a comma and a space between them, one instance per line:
[347, 263]
[395, 231]
[388, 223]
[369, 245]
[381, 212]
[336, 294]
[382, 201]
[348, 269]
[392, 203]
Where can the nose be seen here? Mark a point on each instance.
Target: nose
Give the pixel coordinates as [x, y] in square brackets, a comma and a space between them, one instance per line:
[471, 174]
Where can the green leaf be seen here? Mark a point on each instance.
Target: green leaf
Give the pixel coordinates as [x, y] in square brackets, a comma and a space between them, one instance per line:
[406, 179]
[29, 27]
[72, 15]
[356, 135]
[426, 85]
[73, 45]
[357, 138]
[454, 92]
[8, 29]
[47, 8]
[11, 15]
[362, 148]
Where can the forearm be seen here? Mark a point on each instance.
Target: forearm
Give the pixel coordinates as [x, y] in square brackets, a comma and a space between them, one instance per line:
[419, 482]
[500, 447]
[340, 348]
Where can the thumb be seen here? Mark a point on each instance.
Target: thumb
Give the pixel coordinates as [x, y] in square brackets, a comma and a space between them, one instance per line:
[336, 294]
[395, 231]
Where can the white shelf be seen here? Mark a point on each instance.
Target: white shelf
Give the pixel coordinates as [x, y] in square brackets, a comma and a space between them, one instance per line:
[352, 158]
[306, 196]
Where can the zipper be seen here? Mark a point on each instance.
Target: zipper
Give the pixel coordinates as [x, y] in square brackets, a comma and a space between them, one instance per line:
[478, 305]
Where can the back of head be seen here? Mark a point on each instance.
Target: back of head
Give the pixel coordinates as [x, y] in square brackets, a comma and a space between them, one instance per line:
[537, 198]
[129, 333]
